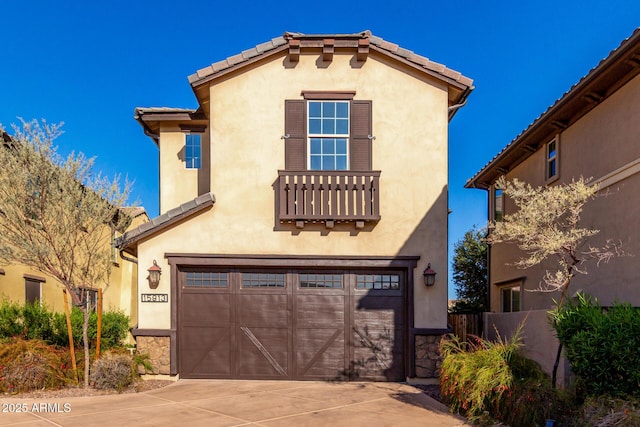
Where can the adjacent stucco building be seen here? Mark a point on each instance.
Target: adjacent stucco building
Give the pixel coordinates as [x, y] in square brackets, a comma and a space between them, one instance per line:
[298, 213]
[592, 131]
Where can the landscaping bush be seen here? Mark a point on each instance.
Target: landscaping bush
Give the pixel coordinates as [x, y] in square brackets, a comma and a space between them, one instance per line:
[601, 345]
[488, 381]
[10, 319]
[33, 365]
[115, 327]
[28, 321]
[113, 371]
[35, 321]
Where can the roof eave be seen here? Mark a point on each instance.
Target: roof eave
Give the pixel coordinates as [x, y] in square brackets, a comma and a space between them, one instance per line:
[128, 242]
[626, 55]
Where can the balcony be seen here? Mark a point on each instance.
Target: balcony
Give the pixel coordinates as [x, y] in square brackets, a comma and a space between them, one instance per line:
[328, 197]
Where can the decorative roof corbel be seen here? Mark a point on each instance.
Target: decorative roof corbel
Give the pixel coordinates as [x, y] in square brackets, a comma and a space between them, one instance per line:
[327, 50]
[294, 50]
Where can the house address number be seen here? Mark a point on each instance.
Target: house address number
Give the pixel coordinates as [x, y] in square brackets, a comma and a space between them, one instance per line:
[154, 297]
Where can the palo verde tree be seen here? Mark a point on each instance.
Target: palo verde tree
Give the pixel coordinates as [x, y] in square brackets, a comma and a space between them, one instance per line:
[56, 215]
[546, 224]
[470, 272]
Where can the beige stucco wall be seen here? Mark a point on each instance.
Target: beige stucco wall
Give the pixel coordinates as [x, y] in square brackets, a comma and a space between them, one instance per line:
[603, 143]
[247, 122]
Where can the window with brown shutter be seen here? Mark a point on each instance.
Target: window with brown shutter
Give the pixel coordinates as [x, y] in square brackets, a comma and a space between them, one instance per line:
[316, 137]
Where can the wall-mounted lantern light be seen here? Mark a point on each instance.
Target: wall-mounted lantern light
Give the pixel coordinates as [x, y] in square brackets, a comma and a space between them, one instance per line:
[429, 276]
[154, 275]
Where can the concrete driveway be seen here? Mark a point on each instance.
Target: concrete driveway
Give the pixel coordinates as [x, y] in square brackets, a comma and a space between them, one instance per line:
[239, 403]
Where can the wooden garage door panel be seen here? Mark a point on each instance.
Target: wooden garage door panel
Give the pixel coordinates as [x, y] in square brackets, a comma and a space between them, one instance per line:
[207, 352]
[379, 310]
[319, 310]
[263, 309]
[197, 309]
[377, 353]
[263, 352]
[320, 353]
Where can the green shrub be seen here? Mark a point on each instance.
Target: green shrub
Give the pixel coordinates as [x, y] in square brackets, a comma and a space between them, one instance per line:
[35, 321]
[10, 319]
[113, 371]
[489, 381]
[601, 345]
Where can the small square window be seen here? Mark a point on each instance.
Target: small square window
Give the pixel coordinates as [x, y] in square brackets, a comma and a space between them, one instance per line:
[193, 151]
[88, 298]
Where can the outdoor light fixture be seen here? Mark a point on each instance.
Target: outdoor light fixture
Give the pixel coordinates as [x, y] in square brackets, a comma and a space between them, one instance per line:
[429, 276]
[154, 275]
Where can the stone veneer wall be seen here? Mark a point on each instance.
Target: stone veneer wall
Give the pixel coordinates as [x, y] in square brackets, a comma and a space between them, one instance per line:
[428, 360]
[159, 351]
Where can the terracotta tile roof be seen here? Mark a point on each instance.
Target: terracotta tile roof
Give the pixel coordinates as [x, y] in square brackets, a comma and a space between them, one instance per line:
[611, 72]
[280, 43]
[128, 240]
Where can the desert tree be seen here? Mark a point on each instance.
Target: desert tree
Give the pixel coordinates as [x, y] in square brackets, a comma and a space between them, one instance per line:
[57, 215]
[546, 225]
[470, 272]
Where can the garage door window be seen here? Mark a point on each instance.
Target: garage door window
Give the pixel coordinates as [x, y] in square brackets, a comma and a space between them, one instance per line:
[206, 279]
[333, 281]
[263, 280]
[378, 281]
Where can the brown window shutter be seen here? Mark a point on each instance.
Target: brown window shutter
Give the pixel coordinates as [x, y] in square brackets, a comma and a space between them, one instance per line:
[295, 142]
[361, 129]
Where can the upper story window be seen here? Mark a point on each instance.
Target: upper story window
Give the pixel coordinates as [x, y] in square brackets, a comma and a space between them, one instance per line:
[497, 203]
[193, 151]
[551, 167]
[328, 129]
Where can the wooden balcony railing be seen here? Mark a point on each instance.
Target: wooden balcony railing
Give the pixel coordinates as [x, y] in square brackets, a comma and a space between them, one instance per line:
[328, 196]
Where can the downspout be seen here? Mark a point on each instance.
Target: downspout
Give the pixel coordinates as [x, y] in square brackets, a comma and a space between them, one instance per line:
[454, 108]
[125, 257]
[457, 106]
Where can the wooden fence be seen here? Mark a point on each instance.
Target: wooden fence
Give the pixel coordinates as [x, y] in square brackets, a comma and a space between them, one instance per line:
[466, 324]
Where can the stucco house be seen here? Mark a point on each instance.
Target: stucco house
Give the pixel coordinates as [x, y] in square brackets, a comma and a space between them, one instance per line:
[591, 131]
[327, 156]
[20, 283]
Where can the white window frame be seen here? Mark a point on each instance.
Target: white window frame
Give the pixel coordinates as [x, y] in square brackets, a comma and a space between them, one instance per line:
[334, 136]
[87, 292]
[552, 159]
[512, 286]
[190, 162]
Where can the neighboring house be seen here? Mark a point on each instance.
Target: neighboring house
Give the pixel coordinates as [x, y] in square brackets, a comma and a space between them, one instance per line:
[327, 155]
[19, 283]
[593, 130]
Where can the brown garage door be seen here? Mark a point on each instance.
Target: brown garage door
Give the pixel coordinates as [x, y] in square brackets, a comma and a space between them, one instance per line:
[278, 324]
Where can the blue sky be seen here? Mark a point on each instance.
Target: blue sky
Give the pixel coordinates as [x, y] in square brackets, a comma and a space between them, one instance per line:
[89, 64]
